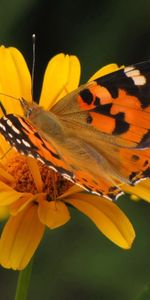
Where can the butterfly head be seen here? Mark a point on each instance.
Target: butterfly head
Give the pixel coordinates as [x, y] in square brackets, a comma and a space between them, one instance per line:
[28, 107]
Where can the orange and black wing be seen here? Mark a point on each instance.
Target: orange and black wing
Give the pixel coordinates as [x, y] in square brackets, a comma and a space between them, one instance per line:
[72, 161]
[112, 114]
[116, 105]
[25, 139]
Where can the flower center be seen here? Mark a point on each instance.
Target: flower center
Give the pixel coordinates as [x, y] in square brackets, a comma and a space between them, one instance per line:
[53, 183]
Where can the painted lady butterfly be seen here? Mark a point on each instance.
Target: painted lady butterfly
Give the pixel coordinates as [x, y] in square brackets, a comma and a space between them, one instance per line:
[95, 136]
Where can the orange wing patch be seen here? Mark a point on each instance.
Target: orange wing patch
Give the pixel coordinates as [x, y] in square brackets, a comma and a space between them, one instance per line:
[136, 164]
[116, 104]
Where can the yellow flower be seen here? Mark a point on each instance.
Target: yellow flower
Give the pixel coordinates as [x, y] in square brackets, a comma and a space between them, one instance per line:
[140, 191]
[35, 195]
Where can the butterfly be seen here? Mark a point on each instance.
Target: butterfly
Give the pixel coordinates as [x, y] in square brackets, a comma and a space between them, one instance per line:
[96, 136]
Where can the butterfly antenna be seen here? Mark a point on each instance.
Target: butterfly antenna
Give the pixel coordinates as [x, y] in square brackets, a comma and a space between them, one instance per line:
[7, 95]
[32, 78]
[33, 62]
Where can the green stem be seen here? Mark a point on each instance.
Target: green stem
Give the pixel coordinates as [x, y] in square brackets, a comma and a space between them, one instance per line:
[23, 282]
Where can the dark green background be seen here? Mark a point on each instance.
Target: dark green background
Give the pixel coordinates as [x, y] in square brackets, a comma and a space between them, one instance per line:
[76, 261]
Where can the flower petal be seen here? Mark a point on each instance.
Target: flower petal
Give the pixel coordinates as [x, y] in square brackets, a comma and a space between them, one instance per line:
[53, 214]
[107, 217]
[15, 79]
[71, 191]
[35, 171]
[142, 190]
[4, 145]
[73, 76]
[105, 70]
[61, 76]
[4, 213]
[20, 238]
[6, 177]
[8, 195]
[21, 203]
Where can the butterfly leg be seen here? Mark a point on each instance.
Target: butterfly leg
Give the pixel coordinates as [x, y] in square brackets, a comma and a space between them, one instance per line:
[1, 157]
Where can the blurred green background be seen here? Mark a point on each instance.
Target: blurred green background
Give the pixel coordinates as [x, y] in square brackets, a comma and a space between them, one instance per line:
[76, 261]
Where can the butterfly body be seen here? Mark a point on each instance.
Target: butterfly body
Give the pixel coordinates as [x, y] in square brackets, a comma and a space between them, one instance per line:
[95, 136]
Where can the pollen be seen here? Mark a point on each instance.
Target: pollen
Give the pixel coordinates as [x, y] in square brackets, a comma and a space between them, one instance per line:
[53, 183]
[17, 166]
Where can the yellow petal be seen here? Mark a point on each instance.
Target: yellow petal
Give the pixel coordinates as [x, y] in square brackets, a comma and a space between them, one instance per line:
[15, 79]
[107, 216]
[21, 203]
[6, 152]
[6, 177]
[142, 190]
[4, 145]
[73, 76]
[71, 191]
[134, 198]
[20, 238]
[53, 214]
[106, 70]
[4, 213]
[35, 171]
[8, 195]
[61, 76]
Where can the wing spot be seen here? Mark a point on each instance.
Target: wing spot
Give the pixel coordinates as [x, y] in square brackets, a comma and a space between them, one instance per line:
[145, 163]
[140, 80]
[103, 109]
[96, 193]
[9, 123]
[26, 143]
[130, 72]
[146, 173]
[89, 119]
[135, 75]
[18, 141]
[121, 125]
[145, 141]
[86, 96]
[41, 160]
[3, 127]
[15, 129]
[112, 189]
[66, 176]
[84, 179]
[133, 178]
[135, 157]
[30, 155]
[52, 168]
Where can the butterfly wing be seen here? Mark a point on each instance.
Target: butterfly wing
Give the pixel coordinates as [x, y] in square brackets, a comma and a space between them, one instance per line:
[71, 160]
[117, 106]
[25, 139]
[112, 114]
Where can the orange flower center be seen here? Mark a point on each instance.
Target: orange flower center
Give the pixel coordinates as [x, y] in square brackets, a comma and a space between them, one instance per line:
[53, 183]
